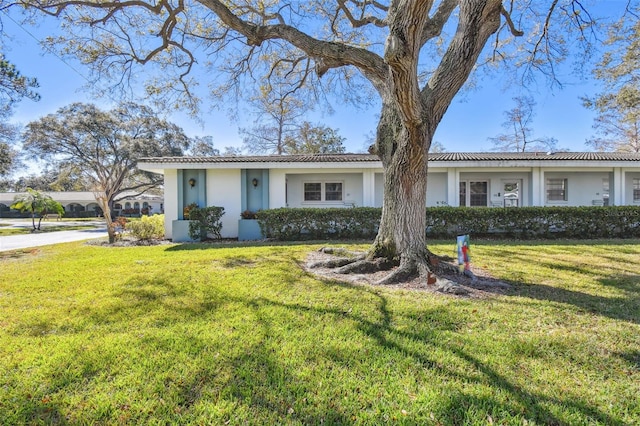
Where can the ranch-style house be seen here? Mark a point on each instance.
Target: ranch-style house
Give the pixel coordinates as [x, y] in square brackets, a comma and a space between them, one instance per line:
[495, 180]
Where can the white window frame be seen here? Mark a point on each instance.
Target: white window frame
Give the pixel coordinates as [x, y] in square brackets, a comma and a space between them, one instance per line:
[467, 196]
[565, 189]
[635, 190]
[323, 191]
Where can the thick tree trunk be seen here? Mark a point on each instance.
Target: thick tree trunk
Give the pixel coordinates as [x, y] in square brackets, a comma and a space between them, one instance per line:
[404, 152]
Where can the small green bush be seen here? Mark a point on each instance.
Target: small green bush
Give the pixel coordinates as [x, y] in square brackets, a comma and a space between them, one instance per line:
[147, 228]
[206, 222]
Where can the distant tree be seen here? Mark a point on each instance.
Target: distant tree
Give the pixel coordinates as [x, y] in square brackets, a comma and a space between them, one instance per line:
[437, 147]
[104, 146]
[13, 88]
[232, 151]
[50, 179]
[617, 122]
[13, 85]
[9, 156]
[36, 203]
[278, 115]
[309, 139]
[519, 136]
[202, 146]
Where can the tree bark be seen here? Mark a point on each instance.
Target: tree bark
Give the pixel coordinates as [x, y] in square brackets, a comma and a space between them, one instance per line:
[408, 122]
[105, 205]
[403, 150]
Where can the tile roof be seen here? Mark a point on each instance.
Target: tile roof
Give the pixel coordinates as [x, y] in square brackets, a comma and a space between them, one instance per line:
[435, 157]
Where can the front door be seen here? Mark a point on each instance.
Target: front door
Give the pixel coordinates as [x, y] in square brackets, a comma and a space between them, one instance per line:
[511, 193]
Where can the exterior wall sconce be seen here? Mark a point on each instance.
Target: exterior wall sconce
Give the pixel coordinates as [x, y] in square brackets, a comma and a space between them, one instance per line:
[192, 182]
[254, 182]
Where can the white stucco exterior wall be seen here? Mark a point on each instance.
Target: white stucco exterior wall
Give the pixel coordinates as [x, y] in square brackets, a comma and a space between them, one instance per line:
[437, 189]
[170, 200]
[224, 189]
[352, 190]
[277, 188]
[582, 187]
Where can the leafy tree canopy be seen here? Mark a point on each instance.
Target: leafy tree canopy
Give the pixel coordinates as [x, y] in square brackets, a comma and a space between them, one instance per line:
[104, 146]
[13, 85]
[617, 122]
[36, 203]
[315, 140]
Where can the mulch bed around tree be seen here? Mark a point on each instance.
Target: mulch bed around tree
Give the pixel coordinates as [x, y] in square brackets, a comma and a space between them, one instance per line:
[482, 286]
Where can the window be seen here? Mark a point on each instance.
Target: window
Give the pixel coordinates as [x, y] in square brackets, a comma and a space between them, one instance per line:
[313, 192]
[333, 191]
[476, 196]
[605, 192]
[463, 194]
[636, 189]
[556, 189]
[323, 191]
[478, 193]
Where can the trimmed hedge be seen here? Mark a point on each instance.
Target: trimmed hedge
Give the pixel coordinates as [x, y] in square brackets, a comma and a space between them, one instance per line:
[319, 224]
[445, 222]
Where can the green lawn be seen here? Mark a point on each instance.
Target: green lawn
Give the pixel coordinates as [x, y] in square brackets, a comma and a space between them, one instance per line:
[46, 226]
[205, 334]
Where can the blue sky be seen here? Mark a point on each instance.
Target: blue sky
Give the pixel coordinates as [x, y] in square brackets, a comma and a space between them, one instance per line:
[472, 118]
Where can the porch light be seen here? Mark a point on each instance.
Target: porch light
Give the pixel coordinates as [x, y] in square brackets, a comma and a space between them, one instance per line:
[192, 182]
[254, 182]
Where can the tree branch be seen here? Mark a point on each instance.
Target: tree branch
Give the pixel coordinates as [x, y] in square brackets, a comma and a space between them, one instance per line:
[433, 27]
[507, 17]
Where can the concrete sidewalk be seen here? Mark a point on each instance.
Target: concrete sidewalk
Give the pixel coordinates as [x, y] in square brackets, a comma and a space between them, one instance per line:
[15, 242]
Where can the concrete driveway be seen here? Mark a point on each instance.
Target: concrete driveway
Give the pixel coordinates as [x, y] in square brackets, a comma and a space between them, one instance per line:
[16, 242]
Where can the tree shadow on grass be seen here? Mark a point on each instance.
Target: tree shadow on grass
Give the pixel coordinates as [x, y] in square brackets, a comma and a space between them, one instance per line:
[258, 378]
[624, 306]
[461, 405]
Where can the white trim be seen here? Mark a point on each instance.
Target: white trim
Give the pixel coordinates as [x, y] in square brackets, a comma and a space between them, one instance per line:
[323, 193]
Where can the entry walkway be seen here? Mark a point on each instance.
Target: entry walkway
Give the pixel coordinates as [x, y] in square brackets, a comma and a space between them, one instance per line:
[16, 242]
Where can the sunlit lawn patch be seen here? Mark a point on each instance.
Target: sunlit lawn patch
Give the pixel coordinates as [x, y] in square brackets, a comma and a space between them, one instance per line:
[212, 334]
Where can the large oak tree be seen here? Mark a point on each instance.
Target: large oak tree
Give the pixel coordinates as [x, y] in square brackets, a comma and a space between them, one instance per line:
[104, 146]
[414, 55]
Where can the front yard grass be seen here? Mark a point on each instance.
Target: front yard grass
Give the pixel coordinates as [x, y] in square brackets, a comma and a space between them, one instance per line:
[26, 226]
[223, 334]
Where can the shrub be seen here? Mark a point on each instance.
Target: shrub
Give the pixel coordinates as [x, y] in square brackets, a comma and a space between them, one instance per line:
[206, 222]
[318, 223]
[147, 228]
[289, 224]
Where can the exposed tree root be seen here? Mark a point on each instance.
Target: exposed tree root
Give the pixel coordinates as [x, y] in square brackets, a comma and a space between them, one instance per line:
[432, 273]
[401, 274]
[335, 263]
[337, 251]
[364, 266]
